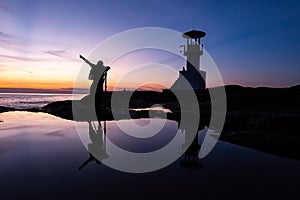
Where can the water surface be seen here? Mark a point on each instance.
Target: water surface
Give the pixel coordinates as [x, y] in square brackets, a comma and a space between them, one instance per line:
[40, 157]
[33, 100]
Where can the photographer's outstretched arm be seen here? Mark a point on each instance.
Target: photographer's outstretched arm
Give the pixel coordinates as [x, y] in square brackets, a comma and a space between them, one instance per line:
[85, 60]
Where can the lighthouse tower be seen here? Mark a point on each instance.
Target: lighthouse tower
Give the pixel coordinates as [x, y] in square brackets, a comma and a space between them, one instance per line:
[193, 49]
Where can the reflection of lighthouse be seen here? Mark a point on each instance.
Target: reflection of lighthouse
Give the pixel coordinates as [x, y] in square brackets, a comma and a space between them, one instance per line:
[192, 73]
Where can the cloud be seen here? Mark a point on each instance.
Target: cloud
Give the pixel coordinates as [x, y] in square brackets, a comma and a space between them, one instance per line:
[21, 58]
[6, 35]
[58, 53]
[7, 39]
[62, 54]
[11, 42]
[15, 48]
[3, 67]
[4, 8]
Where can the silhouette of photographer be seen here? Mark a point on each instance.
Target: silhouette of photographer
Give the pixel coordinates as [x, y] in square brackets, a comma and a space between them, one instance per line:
[98, 75]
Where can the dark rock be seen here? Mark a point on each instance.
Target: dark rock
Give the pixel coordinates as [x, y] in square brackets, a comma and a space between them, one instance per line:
[6, 109]
[61, 109]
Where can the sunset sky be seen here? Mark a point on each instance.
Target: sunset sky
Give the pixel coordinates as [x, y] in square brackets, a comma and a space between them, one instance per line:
[253, 43]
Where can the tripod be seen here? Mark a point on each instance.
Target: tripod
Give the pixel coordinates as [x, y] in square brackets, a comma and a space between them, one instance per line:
[105, 81]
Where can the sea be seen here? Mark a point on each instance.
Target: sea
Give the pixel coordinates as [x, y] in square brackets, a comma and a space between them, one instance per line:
[46, 157]
[33, 100]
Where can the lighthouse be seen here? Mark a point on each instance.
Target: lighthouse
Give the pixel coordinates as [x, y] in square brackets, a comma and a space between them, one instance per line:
[192, 72]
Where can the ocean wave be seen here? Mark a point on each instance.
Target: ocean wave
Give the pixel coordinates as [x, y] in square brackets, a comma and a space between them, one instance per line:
[37, 102]
[28, 101]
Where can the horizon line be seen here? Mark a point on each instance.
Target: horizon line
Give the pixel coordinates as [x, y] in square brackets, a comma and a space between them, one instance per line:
[85, 90]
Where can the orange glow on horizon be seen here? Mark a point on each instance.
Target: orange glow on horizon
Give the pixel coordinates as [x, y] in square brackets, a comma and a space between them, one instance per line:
[50, 84]
[36, 85]
[134, 71]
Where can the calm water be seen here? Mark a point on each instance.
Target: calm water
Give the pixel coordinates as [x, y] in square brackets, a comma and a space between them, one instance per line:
[33, 100]
[40, 157]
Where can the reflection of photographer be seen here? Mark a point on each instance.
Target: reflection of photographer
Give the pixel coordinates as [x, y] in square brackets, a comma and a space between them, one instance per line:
[98, 74]
[97, 147]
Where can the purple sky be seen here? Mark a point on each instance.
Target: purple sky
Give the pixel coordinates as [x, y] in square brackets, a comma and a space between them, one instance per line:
[253, 43]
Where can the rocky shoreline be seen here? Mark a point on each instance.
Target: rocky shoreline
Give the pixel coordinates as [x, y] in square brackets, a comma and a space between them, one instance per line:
[265, 119]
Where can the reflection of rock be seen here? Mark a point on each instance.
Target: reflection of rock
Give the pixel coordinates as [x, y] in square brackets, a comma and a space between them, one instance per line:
[267, 131]
[273, 142]
[264, 121]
